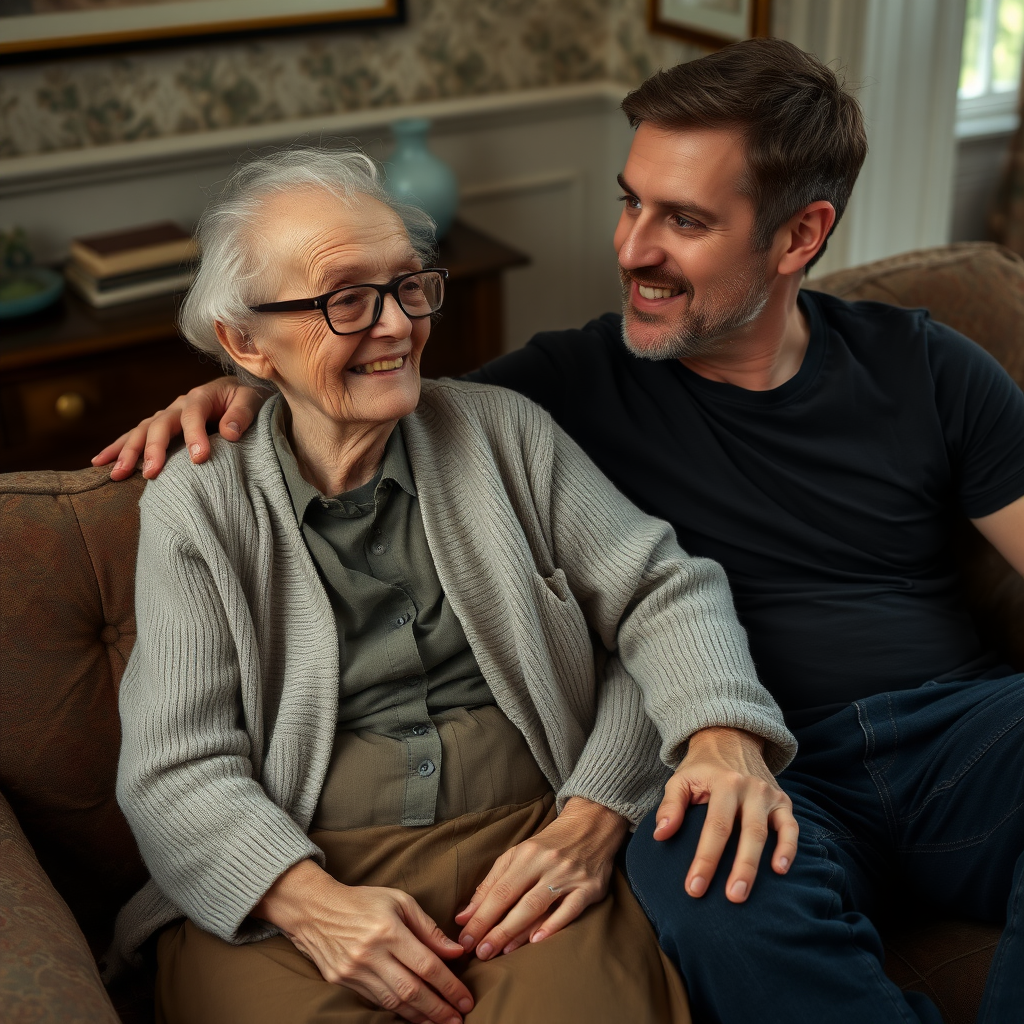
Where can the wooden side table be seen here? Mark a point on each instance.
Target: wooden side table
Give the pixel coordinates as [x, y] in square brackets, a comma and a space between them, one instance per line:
[73, 378]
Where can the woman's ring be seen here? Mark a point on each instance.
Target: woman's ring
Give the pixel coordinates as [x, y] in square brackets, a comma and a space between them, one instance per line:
[553, 890]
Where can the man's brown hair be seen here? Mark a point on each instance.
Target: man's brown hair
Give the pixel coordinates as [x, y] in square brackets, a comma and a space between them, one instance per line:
[804, 133]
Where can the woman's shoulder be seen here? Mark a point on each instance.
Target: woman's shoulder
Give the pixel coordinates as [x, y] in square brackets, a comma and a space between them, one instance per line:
[483, 403]
[213, 487]
[464, 430]
[180, 476]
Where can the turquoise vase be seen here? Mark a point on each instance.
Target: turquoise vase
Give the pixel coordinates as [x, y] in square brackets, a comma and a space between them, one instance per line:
[415, 175]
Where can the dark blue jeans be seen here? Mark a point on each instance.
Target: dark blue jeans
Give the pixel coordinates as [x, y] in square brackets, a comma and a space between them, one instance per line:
[913, 795]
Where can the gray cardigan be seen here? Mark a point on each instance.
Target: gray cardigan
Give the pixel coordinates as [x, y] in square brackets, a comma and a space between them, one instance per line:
[229, 700]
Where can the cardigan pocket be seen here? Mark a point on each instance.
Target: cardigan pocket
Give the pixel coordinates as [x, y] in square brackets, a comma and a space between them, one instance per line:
[558, 585]
[567, 633]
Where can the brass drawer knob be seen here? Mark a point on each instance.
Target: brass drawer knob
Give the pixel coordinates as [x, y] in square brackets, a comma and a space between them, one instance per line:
[70, 405]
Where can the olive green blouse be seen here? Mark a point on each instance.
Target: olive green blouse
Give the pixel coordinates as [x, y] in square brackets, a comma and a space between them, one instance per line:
[405, 660]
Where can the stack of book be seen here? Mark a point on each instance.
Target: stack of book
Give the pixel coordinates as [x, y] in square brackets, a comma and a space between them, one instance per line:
[123, 266]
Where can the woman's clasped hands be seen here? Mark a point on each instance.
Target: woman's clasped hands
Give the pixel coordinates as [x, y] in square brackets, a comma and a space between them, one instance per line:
[380, 942]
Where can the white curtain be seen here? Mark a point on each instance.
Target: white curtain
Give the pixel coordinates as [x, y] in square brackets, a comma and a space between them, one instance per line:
[905, 57]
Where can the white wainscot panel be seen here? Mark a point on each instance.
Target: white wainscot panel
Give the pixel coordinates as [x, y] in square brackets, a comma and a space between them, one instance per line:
[537, 171]
[546, 185]
[542, 217]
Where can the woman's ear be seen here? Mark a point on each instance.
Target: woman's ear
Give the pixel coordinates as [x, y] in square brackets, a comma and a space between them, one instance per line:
[243, 351]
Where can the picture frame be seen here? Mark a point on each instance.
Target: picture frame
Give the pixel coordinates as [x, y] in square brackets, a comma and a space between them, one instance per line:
[47, 27]
[710, 23]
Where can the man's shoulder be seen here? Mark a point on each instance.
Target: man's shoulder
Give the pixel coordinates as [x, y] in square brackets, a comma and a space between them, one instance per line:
[885, 329]
[599, 340]
[554, 368]
[606, 329]
[868, 314]
[892, 338]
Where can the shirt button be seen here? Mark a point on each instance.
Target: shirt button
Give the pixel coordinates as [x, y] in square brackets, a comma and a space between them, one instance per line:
[425, 769]
[419, 730]
[401, 621]
[379, 548]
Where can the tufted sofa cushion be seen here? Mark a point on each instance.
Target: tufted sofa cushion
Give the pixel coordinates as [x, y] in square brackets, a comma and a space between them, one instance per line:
[67, 626]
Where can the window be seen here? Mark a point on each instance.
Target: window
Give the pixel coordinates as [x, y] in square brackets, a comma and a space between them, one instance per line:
[990, 67]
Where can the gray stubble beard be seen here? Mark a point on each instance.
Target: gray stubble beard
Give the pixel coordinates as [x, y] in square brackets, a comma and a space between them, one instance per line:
[703, 331]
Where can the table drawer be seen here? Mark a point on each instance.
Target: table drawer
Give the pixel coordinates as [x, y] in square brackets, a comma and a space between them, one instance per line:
[61, 405]
[58, 416]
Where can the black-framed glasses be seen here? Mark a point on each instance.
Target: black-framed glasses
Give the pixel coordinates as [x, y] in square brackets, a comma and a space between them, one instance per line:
[357, 307]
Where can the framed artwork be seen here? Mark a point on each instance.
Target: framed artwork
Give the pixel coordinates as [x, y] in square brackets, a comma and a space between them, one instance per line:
[28, 26]
[710, 23]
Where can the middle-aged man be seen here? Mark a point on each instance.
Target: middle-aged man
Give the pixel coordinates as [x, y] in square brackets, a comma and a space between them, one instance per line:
[821, 451]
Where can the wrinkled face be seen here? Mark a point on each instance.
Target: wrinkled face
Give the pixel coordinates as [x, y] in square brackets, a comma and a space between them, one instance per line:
[321, 243]
[690, 278]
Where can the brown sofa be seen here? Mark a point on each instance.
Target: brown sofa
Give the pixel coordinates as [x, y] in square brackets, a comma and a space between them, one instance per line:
[67, 555]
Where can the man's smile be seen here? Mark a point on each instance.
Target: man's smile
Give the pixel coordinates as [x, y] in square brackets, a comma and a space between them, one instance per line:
[654, 296]
[648, 292]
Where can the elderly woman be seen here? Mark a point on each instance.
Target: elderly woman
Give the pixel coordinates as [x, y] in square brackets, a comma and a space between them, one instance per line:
[364, 715]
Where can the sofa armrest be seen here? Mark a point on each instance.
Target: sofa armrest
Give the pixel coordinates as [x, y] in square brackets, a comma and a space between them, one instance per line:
[47, 973]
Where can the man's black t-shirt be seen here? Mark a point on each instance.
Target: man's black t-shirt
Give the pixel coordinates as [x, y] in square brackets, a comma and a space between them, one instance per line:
[829, 500]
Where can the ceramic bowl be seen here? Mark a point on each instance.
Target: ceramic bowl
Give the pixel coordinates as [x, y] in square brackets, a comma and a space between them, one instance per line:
[28, 291]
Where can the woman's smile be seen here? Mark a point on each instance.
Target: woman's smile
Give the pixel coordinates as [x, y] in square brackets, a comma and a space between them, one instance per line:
[379, 366]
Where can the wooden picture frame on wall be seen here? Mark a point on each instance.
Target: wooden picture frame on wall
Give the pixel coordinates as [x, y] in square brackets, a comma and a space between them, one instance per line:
[710, 23]
[30, 27]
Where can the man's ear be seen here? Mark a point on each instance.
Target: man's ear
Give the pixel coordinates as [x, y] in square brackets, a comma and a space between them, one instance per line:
[803, 235]
[243, 352]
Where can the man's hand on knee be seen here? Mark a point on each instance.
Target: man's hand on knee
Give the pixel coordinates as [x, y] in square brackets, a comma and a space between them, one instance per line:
[725, 769]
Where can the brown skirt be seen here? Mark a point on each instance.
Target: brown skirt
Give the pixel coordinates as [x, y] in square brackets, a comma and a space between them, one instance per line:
[605, 966]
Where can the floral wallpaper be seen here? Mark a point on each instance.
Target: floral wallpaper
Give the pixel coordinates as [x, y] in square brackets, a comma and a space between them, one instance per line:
[448, 48]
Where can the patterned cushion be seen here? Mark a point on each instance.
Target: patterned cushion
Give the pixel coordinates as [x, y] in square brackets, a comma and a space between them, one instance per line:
[47, 974]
